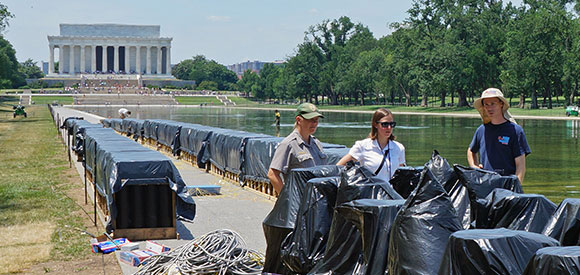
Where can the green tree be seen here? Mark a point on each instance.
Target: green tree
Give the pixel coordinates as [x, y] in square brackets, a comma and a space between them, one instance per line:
[250, 84]
[5, 15]
[268, 75]
[200, 69]
[29, 69]
[208, 85]
[10, 77]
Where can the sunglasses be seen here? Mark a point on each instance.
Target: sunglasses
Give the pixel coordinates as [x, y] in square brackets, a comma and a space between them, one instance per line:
[386, 124]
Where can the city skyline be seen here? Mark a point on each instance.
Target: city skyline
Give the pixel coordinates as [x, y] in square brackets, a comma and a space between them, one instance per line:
[228, 32]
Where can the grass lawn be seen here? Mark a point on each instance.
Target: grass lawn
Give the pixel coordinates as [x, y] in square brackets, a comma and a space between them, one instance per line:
[63, 100]
[198, 100]
[40, 220]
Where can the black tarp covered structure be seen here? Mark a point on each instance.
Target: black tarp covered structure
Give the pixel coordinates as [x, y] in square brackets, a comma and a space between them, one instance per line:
[305, 245]
[344, 249]
[421, 229]
[554, 261]
[68, 124]
[106, 122]
[94, 135]
[491, 251]
[79, 127]
[282, 219]
[406, 179]
[133, 127]
[117, 125]
[168, 134]
[444, 173]
[333, 155]
[373, 220]
[119, 161]
[226, 149]
[258, 156]
[150, 127]
[527, 212]
[564, 225]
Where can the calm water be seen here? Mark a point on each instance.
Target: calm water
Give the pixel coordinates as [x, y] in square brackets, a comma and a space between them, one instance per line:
[553, 168]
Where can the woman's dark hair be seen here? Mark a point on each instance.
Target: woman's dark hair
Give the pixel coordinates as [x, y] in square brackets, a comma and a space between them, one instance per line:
[378, 115]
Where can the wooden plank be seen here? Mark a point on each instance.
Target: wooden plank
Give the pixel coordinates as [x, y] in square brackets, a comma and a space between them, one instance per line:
[140, 234]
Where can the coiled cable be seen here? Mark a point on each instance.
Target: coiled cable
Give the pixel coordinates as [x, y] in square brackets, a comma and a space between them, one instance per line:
[218, 252]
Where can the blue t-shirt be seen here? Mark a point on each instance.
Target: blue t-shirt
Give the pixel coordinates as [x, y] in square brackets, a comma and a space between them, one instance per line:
[499, 145]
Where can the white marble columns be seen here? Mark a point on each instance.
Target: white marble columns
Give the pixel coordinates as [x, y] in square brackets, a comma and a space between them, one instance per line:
[85, 59]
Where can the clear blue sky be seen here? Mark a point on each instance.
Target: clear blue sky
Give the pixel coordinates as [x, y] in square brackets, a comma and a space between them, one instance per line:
[227, 31]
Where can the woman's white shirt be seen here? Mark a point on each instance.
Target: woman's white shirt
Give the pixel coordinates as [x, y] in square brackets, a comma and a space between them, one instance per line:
[369, 154]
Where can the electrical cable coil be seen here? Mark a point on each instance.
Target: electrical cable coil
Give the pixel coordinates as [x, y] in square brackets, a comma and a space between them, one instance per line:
[218, 252]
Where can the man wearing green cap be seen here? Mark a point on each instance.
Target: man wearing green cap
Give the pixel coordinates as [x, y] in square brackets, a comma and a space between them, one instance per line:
[299, 149]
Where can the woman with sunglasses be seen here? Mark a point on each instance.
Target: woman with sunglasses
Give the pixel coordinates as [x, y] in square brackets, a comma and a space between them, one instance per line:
[379, 152]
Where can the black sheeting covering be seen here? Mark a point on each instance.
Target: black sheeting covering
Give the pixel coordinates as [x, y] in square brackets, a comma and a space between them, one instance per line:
[421, 229]
[282, 219]
[305, 245]
[373, 219]
[331, 145]
[117, 161]
[444, 173]
[94, 135]
[150, 127]
[192, 137]
[68, 124]
[133, 127]
[168, 134]
[333, 155]
[406, 179]
[564, 225]
[343, 253]
[117, 125]
[79, 126]
[258, 156]
[106, 122]
[527, 212]
[554, 260]
[226, 149]
[491, 251]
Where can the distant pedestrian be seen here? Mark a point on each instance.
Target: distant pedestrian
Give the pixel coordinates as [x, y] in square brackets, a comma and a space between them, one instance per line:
[277, 117]
[500, 142]
[124, 113]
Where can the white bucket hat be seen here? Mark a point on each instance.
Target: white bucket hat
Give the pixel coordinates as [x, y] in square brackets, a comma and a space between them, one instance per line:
[491, 93]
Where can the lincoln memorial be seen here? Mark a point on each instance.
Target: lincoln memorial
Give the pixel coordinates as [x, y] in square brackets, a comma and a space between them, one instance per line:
[110, 48]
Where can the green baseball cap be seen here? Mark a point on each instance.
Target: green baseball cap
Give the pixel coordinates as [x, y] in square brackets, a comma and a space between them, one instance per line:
[308, 111]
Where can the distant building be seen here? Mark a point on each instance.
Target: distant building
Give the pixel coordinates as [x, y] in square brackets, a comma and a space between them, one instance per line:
[254, 66]
[44, 67]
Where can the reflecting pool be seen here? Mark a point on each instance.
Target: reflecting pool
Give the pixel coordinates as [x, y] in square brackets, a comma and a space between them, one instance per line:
[553, 168]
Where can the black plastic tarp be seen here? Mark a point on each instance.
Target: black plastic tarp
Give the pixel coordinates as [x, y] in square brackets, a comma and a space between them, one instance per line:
[564, 225]
[372, 219]
[333, 155]
[192, 137]
[491, 251]
[68, 124]
[406, 179]
[344, 249]
[150, 127]
[91, 137]
[117, 125]
[79, 127]
[421, 229]
[444, 173]
[133, 127]
[305, 246]
[226, 149]
[282, 219]
[168, 134]
[331, 146]
[258, 156]
[106, 122]
[115, 169]
[554, 261]
[527, 212]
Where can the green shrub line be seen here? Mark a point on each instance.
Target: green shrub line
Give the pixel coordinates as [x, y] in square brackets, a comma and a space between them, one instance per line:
[33, 182]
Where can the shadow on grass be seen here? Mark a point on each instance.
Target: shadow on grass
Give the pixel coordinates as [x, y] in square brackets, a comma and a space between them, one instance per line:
[14, 120]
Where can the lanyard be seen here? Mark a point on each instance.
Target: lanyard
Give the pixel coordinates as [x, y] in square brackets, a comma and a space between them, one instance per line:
[385, 155]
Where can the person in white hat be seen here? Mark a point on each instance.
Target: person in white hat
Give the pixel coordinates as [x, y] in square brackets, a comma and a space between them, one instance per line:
[124, 113]
[499, 141]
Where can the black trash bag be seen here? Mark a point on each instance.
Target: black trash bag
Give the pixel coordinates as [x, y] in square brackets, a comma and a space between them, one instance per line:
[479, 184]
[554, 260]
[373, 219]
[358, 182]
[343, 253]
[527, 212]
[444, 173]
[491, 251]
[281, 220]
[421, 229]
[564, 225]
[305, 246]
[406, 179]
